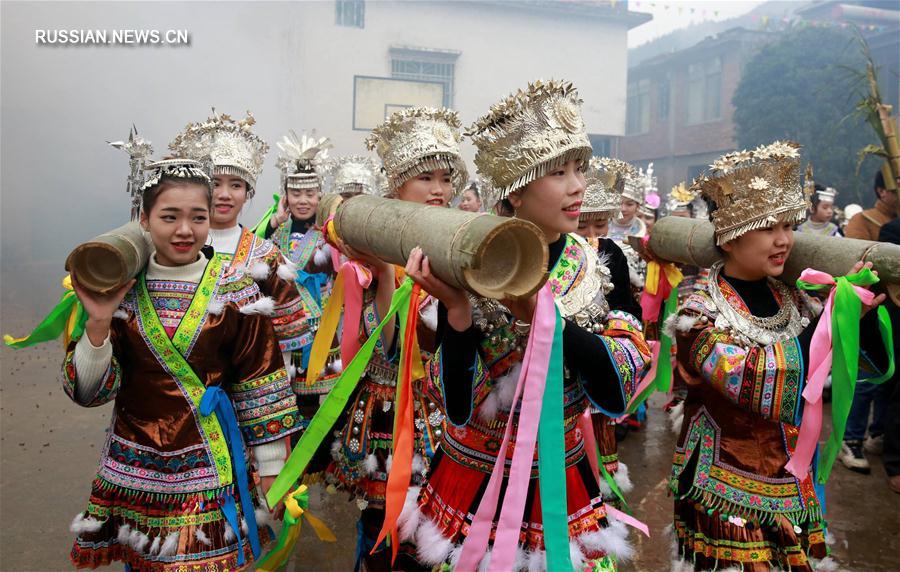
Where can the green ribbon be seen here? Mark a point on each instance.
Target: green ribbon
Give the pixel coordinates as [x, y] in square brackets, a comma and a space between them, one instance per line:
[260, 228]
[663, 379]
[335, 402]
[552, 460]
[611, 482]
[286, 534]
[54, 324]
[845, 318]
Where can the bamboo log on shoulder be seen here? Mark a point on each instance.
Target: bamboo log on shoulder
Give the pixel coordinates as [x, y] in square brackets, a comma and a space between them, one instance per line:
[491, 256]
[106, 262]
[691, 241]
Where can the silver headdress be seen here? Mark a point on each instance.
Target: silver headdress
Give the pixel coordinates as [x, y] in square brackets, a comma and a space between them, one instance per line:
[233, 148]
[302, 161]
[755, 189]
[356, 174]
[139, 151]
[640, 184]
[605, 178]
[530, 133]
[415, 140]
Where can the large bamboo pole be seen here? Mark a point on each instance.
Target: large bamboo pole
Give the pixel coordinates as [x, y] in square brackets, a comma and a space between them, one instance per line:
[690, 241]
[491, 256]
[108, 261]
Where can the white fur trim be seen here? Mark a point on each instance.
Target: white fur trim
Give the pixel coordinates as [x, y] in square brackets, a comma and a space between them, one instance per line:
[418, 464]
[605, 491]
[622, 479]
[612, 540]
[389, 462]
[259, 270]
[287, 271]
[140, 543]
[229, 535]
[576, 555]
[291, 371]
[80, 524]
[263, 518]
[455, 554]
[501, 395]
[537, 561]
[432, 548]
[322, 257]
[676, 417]
[244, 528]
[124, 534]
[120, 314]
[154, 548]
[485, 562]
[264, 306]
[170, 546]
[215, 307]
[336, 449]
[829, 538]
[337, 366]
[201, 537]
[410, 516]
[827, 564]
[370, 465]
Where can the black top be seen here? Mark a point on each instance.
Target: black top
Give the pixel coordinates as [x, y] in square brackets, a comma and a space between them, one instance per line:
[299, 226]
[584, 352]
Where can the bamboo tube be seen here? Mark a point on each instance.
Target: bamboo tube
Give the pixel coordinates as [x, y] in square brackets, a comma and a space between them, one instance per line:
[690, 241]
[108, 261]
[491, 256]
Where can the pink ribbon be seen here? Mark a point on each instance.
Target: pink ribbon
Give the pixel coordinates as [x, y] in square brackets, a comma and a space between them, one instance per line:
[356, 279]
[532, 378]
[820, 355]
[586, 424]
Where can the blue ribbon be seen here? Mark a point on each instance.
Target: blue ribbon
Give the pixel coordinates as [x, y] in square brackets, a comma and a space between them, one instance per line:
[215, 400]
[313, 283]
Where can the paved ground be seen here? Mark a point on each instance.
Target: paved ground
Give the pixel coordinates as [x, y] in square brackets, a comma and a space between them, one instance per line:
[49, 449]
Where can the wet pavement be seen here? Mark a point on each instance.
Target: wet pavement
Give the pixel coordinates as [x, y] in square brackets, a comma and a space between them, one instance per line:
[49, 449]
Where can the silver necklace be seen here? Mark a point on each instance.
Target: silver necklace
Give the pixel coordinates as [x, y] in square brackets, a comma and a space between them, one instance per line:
[784, 325]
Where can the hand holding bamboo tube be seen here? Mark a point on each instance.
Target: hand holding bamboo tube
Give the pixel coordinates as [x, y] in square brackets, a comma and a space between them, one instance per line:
[487, 255]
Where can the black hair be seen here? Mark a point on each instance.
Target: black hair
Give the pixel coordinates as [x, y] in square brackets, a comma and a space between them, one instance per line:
[504, 208]
[148, 200]
[814, 199]
[474, 188]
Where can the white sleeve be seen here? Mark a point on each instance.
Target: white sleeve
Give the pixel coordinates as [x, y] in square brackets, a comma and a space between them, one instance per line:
[91, 362]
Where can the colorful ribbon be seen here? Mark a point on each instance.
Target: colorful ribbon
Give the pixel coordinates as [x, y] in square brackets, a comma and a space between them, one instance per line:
[215, 400]
[834, 348]
[296, 506]
[263, 224]
[400, 474]
[659, 378]
[529, 390]
[67, 317]
[661, 279]
[335, 402]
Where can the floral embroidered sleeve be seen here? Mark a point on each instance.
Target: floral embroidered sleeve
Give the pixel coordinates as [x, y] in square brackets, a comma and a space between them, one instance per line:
[765, 380]
[263, 399]
[102, 392]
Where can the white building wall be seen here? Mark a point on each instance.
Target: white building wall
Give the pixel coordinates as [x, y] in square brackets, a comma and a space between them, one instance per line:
[501, 48]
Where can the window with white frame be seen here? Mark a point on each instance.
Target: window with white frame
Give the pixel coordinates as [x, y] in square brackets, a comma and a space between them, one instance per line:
[350, 13]
[426, 65]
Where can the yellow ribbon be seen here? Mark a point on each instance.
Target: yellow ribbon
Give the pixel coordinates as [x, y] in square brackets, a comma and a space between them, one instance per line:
[673, 275]
[296, 507]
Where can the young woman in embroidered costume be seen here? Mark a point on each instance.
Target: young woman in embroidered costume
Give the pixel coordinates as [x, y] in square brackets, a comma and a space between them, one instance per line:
[482, 343]
[237, 155]
[292, 228]
[743, 348]
[192, 365]
[604, 181]
[419, 148]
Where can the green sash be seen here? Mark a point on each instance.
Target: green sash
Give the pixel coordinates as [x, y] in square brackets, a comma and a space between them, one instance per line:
[172, 351]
